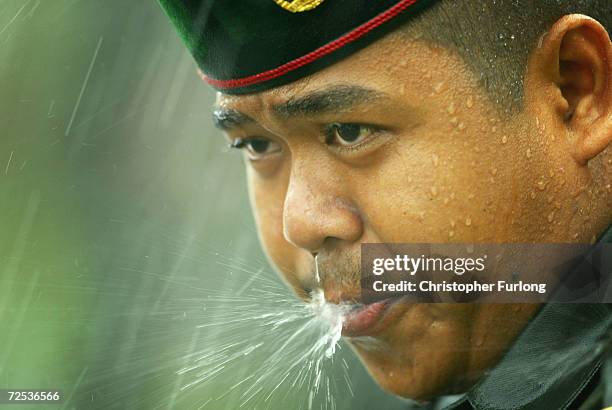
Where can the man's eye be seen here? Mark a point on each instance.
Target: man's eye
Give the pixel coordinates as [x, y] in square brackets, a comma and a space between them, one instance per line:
[347, 134]
[256, 147]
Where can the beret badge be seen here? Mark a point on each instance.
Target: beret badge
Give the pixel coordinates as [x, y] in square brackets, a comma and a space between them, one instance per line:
[298, 6]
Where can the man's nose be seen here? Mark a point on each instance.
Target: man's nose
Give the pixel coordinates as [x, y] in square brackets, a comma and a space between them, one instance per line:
[316, 209]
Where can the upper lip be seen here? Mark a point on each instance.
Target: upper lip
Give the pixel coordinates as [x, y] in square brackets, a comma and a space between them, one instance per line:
[341, 296]
[338, 288]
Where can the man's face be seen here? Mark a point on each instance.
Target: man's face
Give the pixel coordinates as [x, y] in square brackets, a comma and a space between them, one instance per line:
[397, 143]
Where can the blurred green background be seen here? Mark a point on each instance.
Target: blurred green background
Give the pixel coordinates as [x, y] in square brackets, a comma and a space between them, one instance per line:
[121, 212]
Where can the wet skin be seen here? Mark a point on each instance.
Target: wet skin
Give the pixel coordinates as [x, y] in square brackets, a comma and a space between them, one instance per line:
[399, 143]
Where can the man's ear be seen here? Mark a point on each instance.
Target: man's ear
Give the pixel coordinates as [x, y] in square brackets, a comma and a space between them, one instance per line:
[569, 81]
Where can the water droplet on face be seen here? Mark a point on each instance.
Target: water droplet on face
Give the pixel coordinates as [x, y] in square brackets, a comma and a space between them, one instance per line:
[541, 185]
[551, 216]
[434, 191]
[461, 126]
[469, 102]
[504, 139]
[494, 171]
[468, 221]
[438, 87]
[451, 108]
[451, 234]
[435, 159]
[454, 121]
[452, 223]
[494, 129]
[528, 153]
[532, 195]
[317, 277]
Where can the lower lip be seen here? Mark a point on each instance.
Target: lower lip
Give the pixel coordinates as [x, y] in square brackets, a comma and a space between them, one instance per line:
[364, 321]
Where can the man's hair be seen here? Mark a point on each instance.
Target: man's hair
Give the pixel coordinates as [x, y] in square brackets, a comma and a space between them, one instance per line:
[494, 37]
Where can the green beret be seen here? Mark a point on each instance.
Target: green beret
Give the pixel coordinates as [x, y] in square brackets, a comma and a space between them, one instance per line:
[247, 46]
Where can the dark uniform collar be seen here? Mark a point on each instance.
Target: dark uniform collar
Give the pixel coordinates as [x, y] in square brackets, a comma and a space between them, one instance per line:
[551, 362]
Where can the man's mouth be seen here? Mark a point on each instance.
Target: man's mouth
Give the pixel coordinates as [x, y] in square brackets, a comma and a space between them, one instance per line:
[367, 320]
[340, 287]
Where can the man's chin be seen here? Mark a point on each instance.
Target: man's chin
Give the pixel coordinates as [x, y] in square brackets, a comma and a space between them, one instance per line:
[410, 382]
[400, 380]
[414, 364]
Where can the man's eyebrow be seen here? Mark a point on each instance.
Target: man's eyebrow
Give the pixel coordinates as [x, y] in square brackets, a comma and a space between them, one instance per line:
[333, 99]
[226, 119]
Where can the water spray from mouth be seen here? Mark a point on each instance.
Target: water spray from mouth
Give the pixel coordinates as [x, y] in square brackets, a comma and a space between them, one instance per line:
[330, 315]
[281, 348]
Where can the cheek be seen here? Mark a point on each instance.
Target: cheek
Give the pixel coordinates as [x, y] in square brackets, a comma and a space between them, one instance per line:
[444, 183]
[267, 199]
[267, 196]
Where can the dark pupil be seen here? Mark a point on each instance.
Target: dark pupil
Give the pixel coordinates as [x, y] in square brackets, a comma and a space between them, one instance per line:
[348, 132]
[259, 146]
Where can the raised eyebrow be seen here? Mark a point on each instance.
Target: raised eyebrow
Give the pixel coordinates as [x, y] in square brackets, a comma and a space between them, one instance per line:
[333, 99]
[226, 118]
